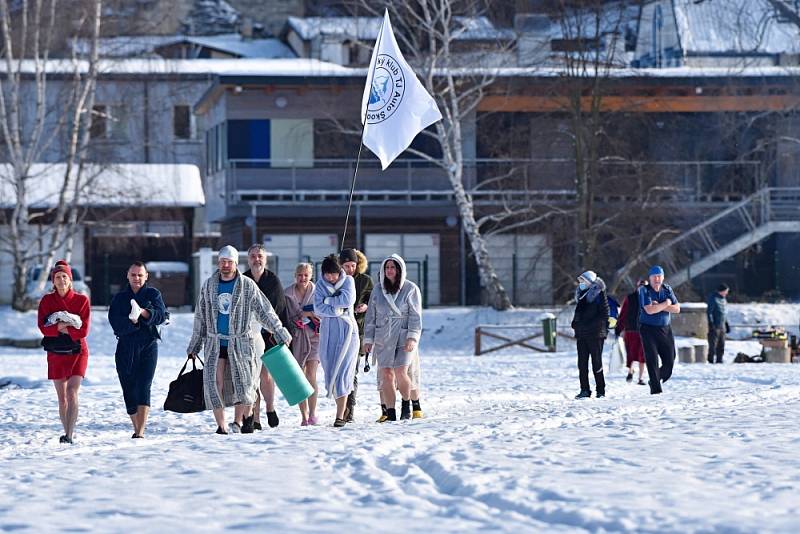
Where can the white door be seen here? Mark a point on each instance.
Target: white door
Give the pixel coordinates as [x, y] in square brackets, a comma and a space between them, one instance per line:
[414, 249]
[291, 249]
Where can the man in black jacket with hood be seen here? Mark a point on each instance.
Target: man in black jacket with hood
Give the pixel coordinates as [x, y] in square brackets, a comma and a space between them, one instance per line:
[591, 328]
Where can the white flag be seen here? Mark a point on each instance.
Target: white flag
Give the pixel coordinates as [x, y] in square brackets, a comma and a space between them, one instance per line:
[395, 104]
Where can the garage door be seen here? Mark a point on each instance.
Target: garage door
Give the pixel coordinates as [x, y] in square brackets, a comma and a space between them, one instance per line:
[524, 264]
[291, 249]
[414, 249]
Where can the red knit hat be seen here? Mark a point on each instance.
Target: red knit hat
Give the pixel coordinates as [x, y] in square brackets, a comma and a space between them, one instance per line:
[61, 266]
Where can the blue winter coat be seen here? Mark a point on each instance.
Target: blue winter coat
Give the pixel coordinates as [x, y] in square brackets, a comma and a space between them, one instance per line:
[145, 330]
[717, 310]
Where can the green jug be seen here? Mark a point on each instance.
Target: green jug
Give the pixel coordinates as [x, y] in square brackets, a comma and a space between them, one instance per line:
[287, 374]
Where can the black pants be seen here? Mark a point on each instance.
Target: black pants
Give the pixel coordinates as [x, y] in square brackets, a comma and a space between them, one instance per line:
[136, 367]
[351, 398]
[591, 347]
[716, 344]
[658, 342]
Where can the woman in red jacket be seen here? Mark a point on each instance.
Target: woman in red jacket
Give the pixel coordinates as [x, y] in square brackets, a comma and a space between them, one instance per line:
[66, 370]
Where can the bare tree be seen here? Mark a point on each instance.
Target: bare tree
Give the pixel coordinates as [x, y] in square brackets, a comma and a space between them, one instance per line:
[428, 32]
[34, 117]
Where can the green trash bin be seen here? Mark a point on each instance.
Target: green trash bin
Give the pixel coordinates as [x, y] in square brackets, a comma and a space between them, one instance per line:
[287, 374]
[549, 331]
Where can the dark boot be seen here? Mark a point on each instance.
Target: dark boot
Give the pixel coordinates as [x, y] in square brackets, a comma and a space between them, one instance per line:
[584, 394]
[349, 413]
[405, 410]
[221, 431]
[391, 414]
[247, 425]
[272, 419]
[383, 416]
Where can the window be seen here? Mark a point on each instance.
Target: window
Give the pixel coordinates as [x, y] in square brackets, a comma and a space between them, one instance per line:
[182, 122]
[98, 128]
[108, 122]
[249, 140]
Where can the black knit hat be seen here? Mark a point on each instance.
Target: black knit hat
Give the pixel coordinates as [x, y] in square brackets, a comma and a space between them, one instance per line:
[348, 254]
[331, 265]
[722, 287]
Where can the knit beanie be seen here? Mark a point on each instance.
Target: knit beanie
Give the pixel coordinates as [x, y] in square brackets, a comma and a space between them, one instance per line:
[348, 254]
[61, 266]
[228, 252]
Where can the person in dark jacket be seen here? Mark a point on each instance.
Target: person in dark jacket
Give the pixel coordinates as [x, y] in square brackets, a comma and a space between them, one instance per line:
[354, 263]
[717, 312]
[657, 301]
[628, 326]
[591, 328]
[271, 286]
[135, 314]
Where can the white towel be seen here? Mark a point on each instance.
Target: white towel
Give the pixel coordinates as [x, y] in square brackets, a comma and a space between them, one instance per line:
[136, 311]
[65, 317]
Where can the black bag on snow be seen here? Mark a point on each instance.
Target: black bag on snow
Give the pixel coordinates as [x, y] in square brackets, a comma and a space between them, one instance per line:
[61, 344]
[186, 392]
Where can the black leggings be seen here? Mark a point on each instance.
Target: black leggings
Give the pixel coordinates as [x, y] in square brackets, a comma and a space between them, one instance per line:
[658, 341]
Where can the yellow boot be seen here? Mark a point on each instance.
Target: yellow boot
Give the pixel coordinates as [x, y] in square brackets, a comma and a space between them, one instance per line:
[416, 414]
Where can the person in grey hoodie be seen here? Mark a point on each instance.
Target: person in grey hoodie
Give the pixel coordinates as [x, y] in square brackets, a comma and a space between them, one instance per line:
[591, 328]
[392, 328]
[717, 312]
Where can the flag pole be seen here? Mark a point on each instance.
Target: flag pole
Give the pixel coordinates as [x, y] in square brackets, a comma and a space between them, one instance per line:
[370, 76]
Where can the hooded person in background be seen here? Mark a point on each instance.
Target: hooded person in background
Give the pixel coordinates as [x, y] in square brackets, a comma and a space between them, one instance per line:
[135, 314]
[64, 316]
[334, 299]
[393, 327]
[628, 326]
[590, 323]
[226, 307]
[656, 302]
[269, 284]
[717, 312]
[355, 264]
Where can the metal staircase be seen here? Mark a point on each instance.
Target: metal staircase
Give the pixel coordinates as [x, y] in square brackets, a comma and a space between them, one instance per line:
[770, 210]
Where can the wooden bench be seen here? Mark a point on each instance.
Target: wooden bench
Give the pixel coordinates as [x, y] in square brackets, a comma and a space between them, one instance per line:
[490, 330]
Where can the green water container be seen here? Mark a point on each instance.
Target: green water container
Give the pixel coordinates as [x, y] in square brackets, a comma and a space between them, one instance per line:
[287, 374]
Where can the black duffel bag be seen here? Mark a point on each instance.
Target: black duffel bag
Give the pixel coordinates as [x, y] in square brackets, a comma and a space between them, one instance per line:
[61, 344]
[186, 392]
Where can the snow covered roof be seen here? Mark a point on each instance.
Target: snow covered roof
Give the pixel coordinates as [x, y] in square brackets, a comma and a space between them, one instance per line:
[127, 184]
[159, 66]
[366, 28]
[734, 26]
[147, 45]
[158, 267]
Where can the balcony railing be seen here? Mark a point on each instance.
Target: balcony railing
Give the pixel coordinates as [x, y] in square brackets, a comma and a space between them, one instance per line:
[489, 181]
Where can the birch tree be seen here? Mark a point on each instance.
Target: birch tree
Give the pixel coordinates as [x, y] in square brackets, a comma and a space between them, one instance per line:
[37, 115]
[427, 31]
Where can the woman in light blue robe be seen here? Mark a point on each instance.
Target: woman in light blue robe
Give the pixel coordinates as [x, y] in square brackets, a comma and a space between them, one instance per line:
[334, 299]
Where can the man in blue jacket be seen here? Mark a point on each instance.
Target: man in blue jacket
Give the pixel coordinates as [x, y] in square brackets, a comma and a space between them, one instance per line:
[135, 314]
[717, 312]
[656, 302]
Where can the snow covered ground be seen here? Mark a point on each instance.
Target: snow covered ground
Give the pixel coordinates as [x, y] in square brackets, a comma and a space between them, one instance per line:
[503, 447]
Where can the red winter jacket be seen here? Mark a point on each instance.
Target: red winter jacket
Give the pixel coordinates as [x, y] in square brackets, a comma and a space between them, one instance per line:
[72, 302]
